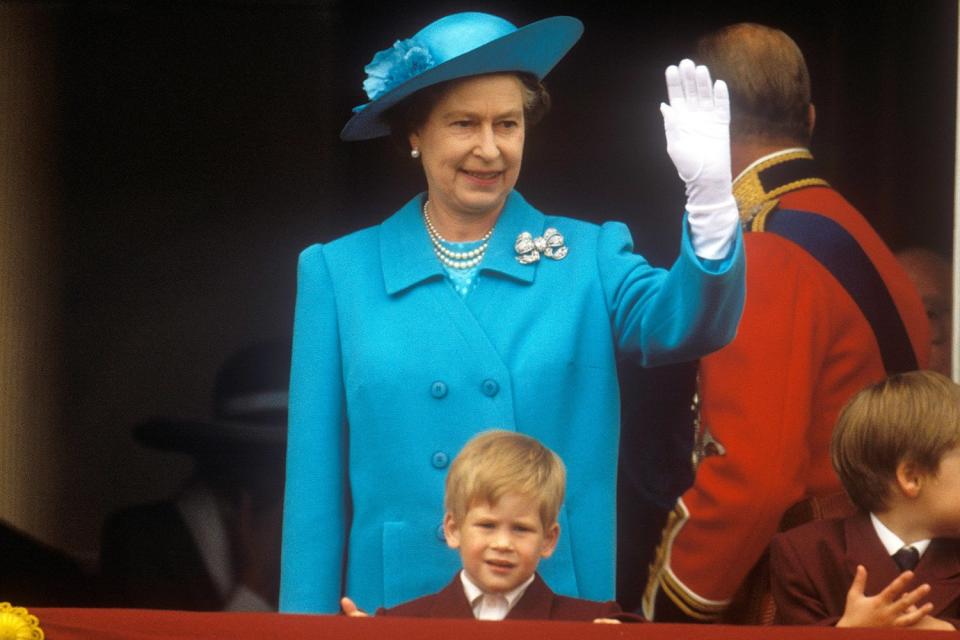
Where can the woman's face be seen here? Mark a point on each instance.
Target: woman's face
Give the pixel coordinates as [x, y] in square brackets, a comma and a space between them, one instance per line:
[471, 145]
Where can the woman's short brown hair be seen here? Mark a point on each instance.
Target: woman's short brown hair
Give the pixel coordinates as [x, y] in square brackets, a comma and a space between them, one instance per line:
[495, 463]
[911, 417]
[409, 115]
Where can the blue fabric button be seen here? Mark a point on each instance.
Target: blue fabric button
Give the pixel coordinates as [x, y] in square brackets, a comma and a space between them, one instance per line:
[438, 389]
[490, 387]
[440, 535]
[439, 459]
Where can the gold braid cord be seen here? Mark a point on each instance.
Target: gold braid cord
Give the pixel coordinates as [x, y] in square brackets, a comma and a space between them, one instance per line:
[16, 623]
[661, 577]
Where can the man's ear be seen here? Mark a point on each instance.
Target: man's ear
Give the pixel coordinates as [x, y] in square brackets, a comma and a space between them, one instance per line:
[550, 538]
[811, 121]
[910, 478]
[451, 531]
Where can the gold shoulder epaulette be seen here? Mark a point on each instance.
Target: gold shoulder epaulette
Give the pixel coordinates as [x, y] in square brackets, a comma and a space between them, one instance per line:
[759, 188]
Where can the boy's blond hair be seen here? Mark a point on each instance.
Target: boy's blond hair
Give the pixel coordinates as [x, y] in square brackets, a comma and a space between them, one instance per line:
[495, 463]
[913, 417]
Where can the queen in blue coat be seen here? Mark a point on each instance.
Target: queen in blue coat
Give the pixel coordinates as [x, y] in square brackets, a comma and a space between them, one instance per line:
[469, 309]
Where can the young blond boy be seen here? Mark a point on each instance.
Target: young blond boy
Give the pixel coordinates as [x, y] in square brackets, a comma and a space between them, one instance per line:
[502, 500]
[896, 448]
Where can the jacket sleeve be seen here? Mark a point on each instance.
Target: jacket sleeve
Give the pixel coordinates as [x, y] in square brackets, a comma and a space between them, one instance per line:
[669, 316]
[612, 610]
[316, 500]
[793, 591]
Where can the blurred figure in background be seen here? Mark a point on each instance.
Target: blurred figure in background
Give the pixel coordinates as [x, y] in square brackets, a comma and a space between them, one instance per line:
[931, 274]
[216, 544]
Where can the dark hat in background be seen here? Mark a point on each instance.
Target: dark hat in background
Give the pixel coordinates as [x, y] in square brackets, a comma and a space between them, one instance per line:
[249, 406]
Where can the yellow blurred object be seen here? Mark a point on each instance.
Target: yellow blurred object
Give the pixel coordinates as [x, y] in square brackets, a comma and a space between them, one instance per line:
[16, 623]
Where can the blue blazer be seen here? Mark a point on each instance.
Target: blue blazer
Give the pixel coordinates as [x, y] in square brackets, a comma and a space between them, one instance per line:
[393, 372]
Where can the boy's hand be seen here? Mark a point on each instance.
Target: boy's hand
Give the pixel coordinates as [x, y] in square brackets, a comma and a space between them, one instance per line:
[929, 623]
[351, 609]
[892, 607]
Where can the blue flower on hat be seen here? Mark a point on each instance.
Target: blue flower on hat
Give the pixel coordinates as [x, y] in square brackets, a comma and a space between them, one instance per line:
[394, 66]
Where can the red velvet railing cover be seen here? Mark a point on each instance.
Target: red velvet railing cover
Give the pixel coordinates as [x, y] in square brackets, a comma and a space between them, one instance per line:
[141, 624]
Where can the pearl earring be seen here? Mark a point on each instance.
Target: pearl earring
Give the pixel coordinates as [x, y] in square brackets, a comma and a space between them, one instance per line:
[414, 153]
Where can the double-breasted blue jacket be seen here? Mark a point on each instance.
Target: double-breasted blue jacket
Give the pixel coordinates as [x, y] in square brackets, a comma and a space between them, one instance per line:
[393, 372]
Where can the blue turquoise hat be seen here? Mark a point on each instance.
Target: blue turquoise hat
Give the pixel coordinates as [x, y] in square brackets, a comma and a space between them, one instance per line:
[457, 46]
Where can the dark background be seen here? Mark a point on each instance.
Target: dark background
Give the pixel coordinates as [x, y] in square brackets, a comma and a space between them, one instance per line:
[199, 152]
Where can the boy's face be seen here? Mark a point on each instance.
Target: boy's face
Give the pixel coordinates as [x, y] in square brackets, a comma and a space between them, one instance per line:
[501, 545]
[939, 497]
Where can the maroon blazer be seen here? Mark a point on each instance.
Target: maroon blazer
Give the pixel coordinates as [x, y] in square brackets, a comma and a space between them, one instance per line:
[538, 602]
[812, 568]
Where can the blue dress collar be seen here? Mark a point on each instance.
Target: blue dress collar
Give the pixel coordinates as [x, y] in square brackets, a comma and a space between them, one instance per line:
[407, 258]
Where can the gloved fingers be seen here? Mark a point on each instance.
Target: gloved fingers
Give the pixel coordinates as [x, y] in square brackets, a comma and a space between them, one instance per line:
[721, 100]
[674, 88]
[688, 81]
[704, 89]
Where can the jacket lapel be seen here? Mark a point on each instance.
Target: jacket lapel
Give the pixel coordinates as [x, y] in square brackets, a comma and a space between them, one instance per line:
[407, 258]
[864, 547]
[451, 601]
[180, 553]
[940, 568]
[517, 216]
[500, 269]
[406, 255]
[536, 603]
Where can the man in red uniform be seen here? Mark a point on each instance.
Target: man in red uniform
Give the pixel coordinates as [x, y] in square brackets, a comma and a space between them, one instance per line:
[828, 311]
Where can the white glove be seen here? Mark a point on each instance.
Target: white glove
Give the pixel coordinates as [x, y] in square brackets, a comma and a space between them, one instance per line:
[697, 125]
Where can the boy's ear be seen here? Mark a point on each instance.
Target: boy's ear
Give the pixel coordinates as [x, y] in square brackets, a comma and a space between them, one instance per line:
[909, 478]
[451, 531]
[550, 538]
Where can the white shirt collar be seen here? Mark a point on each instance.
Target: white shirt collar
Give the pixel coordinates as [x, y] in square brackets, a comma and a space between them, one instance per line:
[481, 609]
[767, 157]
[892, 542]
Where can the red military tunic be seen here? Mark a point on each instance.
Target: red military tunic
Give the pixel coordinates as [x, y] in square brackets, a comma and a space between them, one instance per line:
[769, 400]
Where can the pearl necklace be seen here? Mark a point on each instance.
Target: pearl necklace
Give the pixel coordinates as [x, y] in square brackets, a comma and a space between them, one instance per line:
[454, 259]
